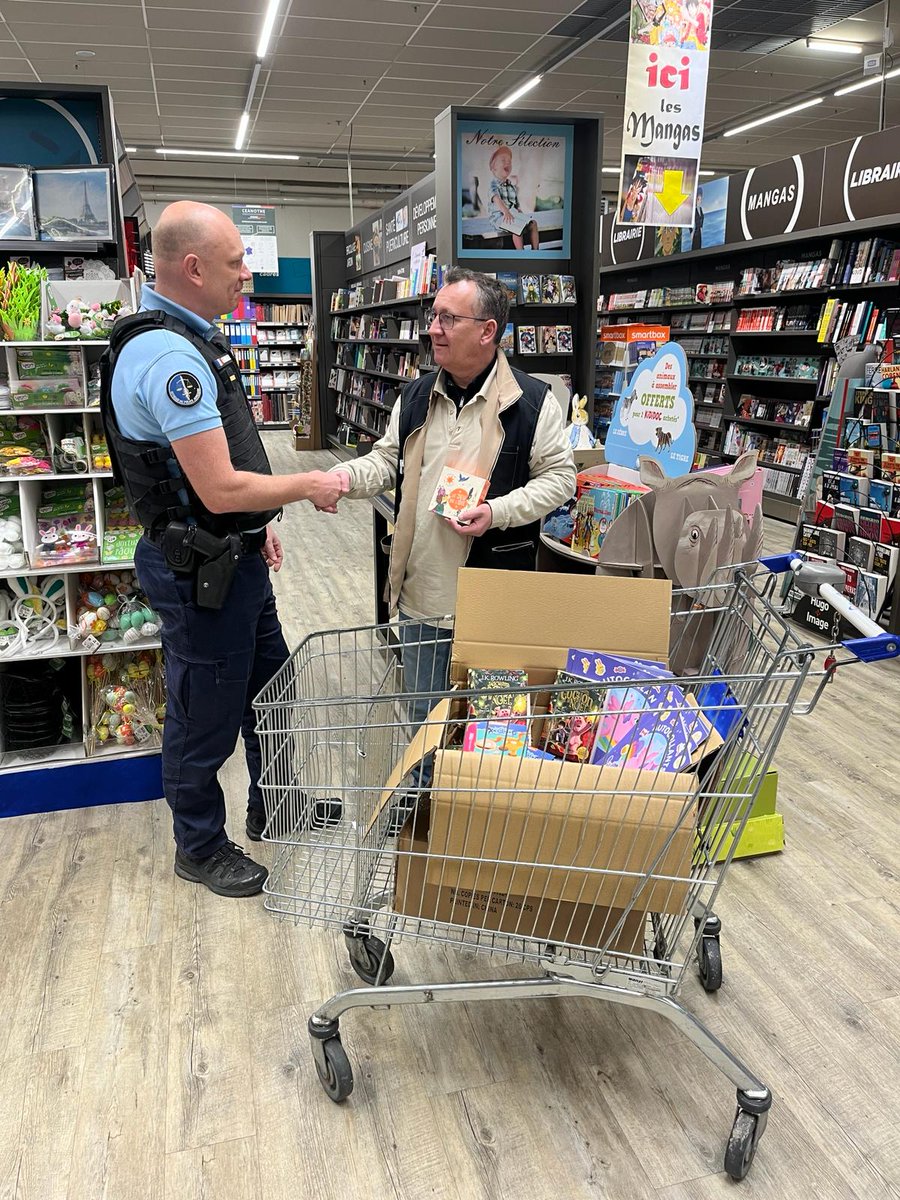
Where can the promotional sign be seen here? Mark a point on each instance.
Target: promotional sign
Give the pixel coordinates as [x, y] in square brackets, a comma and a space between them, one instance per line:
[384, 238]
[654, 417]
[256, 225]
[779, 197]
[515, 189]
[864, 178]
[665, 106]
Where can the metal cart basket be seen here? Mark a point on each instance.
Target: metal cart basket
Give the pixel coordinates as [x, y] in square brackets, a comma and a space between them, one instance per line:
[598, 867]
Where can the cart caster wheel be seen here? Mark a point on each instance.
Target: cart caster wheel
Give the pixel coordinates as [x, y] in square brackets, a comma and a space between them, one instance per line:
[334, 1070]
[709, 963]
[741, 1149]
[370, 959]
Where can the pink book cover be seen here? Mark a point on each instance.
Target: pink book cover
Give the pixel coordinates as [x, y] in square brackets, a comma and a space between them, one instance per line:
[456, 492]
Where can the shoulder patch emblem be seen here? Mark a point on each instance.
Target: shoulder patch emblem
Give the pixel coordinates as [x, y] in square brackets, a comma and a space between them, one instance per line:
[184, 389]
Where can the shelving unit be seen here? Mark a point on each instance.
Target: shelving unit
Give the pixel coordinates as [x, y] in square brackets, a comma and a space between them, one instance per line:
[791, 409]
[263, 356]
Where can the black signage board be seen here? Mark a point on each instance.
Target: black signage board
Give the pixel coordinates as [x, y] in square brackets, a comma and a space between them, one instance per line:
[863, 178]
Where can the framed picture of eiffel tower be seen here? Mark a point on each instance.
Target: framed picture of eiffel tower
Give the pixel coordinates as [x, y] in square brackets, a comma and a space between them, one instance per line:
[74, 204]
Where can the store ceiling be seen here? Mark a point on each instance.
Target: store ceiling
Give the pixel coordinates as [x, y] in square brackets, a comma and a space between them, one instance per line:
[378, 71]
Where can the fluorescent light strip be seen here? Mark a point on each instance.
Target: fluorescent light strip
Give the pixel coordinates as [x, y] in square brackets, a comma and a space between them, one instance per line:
[184, 153]
[242, 130]
[265, 35]
[775, 116]
[520, 92]
[131, 149]
[831, 46]
[864, 83]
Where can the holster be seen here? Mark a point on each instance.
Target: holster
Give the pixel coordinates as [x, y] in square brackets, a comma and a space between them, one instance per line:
[212, 560]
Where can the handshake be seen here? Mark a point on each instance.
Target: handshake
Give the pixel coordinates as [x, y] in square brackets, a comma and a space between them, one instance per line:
[325, 488]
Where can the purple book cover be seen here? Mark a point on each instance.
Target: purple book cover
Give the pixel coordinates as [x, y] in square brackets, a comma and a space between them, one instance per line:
[641, 729]
[608, 668]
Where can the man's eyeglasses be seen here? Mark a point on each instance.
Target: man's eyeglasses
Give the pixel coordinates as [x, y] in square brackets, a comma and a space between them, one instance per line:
[447, 320]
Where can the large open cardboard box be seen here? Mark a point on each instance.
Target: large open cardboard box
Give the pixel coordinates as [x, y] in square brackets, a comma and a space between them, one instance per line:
[546, 848]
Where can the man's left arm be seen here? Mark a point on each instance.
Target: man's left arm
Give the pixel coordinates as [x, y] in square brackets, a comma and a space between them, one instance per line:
[552, 469]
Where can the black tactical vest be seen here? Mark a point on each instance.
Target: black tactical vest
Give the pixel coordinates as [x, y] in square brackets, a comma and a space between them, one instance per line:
[155, 486]
[513, 549]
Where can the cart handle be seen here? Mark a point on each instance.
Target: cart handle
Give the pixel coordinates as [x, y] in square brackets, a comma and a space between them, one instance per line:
[818, 579]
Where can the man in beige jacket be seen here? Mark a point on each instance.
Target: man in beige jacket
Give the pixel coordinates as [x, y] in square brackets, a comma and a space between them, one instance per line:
[482, 416]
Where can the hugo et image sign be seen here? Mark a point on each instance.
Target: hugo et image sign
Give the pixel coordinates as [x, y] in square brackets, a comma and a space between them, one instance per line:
[655, 416]
[665, 107]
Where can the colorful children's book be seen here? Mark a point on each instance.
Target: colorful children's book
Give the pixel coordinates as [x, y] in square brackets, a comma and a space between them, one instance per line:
[497, 737]
[572, 723]
[456, 492]
[600, 667]
[640, 728]
[494, 701]
[529, 289]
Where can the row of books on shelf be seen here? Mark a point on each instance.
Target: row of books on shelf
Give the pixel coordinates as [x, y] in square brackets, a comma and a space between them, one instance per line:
[375, 327]
[781, 483]
[772, 318]
[783, 412]
[842, 318]
[537, 289]
[863, 543]
[708, 393]
[790, 367]
[847, 263]
[782, 451]
[272, 335]
[390, 362]
[287, 314]
[882, 495]
[373, 420]
[707, 368]
[381, 291]
[583, 522]
[719, 320]
[708, 417]
[287, 357]
[875, 421]
[539, 339]
[370, 391]
[721, 292]
[705, 345]
[268, 409]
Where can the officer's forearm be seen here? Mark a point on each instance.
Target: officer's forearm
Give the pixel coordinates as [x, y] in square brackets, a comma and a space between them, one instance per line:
[243, 491]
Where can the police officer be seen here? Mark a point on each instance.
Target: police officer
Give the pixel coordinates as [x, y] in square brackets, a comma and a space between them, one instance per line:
[185, 447]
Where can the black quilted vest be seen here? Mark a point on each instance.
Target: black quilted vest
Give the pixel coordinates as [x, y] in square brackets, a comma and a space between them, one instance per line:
[513, 549]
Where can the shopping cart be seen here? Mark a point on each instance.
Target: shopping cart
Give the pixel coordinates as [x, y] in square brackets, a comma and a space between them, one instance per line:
[602, 875]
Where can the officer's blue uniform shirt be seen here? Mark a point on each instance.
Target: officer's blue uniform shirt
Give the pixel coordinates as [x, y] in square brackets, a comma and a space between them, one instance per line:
[163, 388]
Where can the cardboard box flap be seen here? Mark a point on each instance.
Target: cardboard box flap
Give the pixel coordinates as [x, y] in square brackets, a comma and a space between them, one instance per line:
[531, 618]
[427, 738]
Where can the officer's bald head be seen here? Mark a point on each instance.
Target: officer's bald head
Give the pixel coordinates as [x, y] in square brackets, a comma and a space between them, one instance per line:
[187, 227]
[198, 255]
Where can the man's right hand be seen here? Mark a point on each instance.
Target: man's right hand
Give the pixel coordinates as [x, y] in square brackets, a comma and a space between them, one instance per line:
[325, 488]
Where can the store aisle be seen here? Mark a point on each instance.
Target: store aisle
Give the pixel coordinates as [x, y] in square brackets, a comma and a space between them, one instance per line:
[153, 1037]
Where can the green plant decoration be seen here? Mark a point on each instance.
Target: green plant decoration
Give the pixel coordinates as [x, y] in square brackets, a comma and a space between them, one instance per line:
[20, 301]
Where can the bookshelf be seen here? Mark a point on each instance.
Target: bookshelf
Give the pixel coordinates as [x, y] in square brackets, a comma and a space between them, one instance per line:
[269, 341]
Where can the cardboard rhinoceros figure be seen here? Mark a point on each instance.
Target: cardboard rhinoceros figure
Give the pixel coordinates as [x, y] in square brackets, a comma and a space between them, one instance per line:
[685, 529]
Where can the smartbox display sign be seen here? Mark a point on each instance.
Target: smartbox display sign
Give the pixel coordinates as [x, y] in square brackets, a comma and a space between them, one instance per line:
[655, 416]
[256, 225]
[665, 107]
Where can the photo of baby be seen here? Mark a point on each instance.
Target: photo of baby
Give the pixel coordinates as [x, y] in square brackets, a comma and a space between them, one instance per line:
[515, 189]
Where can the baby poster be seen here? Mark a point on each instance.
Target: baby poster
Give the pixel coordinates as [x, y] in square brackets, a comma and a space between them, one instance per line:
[514, 189]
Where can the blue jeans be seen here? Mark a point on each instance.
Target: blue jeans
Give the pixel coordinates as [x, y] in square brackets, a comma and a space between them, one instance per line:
[217, 661]
[426, 666]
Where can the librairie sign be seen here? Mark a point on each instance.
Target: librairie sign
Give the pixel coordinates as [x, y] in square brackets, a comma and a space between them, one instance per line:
[655, 415]
[665, 107]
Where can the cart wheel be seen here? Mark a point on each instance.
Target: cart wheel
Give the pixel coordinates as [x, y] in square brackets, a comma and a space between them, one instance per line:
[370, 959]
[709, 962]
[336, 1076]
[741, 1149]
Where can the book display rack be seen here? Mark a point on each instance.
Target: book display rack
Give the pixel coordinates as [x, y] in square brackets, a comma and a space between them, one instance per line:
[269, 340]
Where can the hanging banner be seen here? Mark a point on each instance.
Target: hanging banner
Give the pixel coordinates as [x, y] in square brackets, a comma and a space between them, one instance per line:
[256, 225]
[665, 107]
[654, 416]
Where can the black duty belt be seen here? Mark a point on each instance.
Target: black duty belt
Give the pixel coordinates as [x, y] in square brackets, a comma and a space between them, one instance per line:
[251, 543]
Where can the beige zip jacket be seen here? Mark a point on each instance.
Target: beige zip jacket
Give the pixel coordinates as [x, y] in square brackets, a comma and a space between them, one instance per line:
[426, 553]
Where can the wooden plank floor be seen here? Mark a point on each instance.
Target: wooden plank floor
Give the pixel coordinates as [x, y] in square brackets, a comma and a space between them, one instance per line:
[153, 1037]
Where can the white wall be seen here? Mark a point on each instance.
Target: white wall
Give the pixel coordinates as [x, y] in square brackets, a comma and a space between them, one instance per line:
[293, 223]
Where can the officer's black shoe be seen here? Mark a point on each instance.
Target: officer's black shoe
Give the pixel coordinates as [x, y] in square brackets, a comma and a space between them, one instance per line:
[227, 872]
[256, 824]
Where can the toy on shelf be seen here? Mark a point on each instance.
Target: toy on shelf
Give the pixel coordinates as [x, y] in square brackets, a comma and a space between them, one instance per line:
[112, 609]
[12, 548]
[127, 700]
[32, 615]
[23, 447]
[66, 529]
[580, 437]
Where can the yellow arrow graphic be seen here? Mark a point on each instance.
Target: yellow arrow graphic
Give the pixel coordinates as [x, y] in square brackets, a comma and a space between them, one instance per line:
[673, 193]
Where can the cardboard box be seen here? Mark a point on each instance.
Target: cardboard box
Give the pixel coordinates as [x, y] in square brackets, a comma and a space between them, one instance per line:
[553, 844]
[418, 893]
